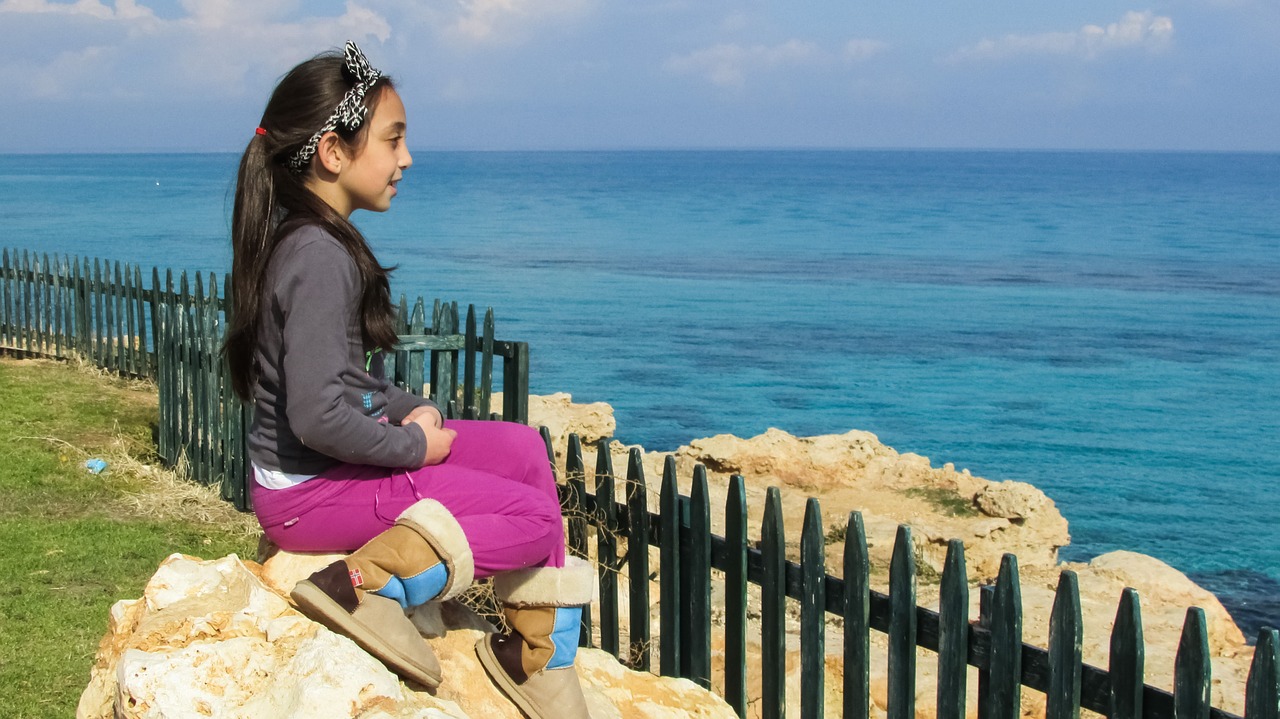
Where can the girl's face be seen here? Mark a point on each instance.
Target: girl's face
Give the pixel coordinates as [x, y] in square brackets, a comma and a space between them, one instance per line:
[367, 180]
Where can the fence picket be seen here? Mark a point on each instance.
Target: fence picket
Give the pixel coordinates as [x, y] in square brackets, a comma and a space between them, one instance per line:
[670, 599]
[58, 307]
[186, 364]
[99, 328]
[773, 603]
[575, 476]
[1127, 658]
[606, 516]
[486, 366]
[638, 654]
[38, 283]
[574, 472]
[209, 419]
[137, 322]
[698, 585]
[469, 361]
[128, 328]
[69, 309]
[813, 610]
[1192, 673]
[1066, 637]
[7, 320]
[195, 387]
[163, 386]
[902, 627]
[157, 294]
[953, 633]
[735, 596]
[51, 305]
[109, 349]
[1262, 690]
[857, 619]
[27, 334]
[1005, 661]
[117, 301]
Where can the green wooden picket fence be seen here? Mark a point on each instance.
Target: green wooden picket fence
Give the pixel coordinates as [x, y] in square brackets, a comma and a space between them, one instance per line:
[690, 555]
[171, 331]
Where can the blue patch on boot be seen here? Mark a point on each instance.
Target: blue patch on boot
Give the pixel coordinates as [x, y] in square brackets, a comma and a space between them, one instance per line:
[418, 589]
[565, 637]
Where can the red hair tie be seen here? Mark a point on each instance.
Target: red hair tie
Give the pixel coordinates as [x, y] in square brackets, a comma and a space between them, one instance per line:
[261, 131]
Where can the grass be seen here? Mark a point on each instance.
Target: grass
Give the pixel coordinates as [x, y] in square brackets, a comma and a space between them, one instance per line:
[945, 501]
[74, 542]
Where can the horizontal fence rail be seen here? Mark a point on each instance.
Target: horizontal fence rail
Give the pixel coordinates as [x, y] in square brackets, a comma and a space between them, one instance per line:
[171, 331]
[691, 558]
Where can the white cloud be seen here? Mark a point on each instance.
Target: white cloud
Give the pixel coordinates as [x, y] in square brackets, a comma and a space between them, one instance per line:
[219, 48]
[862, 49]
[123, 10]
[728, 65]
[1136, 30]
[507, 21]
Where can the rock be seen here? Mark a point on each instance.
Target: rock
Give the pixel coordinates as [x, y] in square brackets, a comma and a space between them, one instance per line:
[561, 416]
[1016, 501]
[855, 471]
[210, 638]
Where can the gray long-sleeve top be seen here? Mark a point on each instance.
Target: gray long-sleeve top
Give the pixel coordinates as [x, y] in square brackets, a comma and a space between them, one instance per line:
[321, 397]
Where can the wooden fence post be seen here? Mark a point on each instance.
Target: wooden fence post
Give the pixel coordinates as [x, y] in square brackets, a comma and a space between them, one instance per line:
[902, 627]
[813, 613]
[606, 521]
[1262, 693]
[638, 650]
[1192, 673]
[1066, 638]
[953, 634]
[698, 588]
[575, 476]
[735, 596]
[670, 597]
[857, 619]
[1006, 643]
[773, 588]
[1127, 658]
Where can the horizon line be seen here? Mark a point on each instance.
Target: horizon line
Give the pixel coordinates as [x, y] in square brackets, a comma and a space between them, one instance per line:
[693, 149]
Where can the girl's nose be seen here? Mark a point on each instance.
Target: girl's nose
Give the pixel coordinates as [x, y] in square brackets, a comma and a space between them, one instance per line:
[407, 161]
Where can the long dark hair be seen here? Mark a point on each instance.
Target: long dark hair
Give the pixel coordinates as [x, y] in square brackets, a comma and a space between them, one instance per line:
[271, 200]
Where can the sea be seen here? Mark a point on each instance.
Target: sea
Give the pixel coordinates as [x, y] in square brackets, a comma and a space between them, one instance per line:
[1103, 325]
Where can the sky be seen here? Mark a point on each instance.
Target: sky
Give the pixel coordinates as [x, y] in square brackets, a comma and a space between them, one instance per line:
[194, 75]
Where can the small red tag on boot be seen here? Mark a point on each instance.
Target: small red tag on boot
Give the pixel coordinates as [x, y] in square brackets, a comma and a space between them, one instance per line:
[356, 578]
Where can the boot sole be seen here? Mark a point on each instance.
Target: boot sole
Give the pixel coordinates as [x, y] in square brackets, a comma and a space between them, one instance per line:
[504, 682]
[317, 605]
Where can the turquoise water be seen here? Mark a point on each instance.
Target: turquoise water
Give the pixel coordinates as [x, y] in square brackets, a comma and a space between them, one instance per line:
[1105, 326]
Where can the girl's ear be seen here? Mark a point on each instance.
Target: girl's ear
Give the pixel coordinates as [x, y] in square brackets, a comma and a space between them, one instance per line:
[329, 153]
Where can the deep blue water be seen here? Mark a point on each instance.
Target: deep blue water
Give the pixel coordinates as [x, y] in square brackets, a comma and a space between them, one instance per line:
[1105, 326]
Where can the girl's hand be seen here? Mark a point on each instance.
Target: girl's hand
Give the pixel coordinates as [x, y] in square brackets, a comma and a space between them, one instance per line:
[439, 440]
[424, 410]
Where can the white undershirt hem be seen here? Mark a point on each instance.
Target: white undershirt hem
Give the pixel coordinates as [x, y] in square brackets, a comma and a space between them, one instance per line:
[275, 479]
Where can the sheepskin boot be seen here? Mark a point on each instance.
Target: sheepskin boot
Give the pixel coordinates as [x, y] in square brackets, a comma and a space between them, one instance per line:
[423, 556]
[533, 665]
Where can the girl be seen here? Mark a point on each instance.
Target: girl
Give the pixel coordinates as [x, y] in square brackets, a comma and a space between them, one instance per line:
[344, 461]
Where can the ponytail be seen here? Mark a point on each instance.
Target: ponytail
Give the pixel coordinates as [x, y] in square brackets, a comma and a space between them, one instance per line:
[271, 200]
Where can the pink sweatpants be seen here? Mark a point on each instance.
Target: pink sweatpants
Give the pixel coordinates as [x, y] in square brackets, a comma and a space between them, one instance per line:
[497, 482]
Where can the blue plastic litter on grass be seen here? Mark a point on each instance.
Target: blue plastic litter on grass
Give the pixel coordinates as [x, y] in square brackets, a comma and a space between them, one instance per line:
[95, 465]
